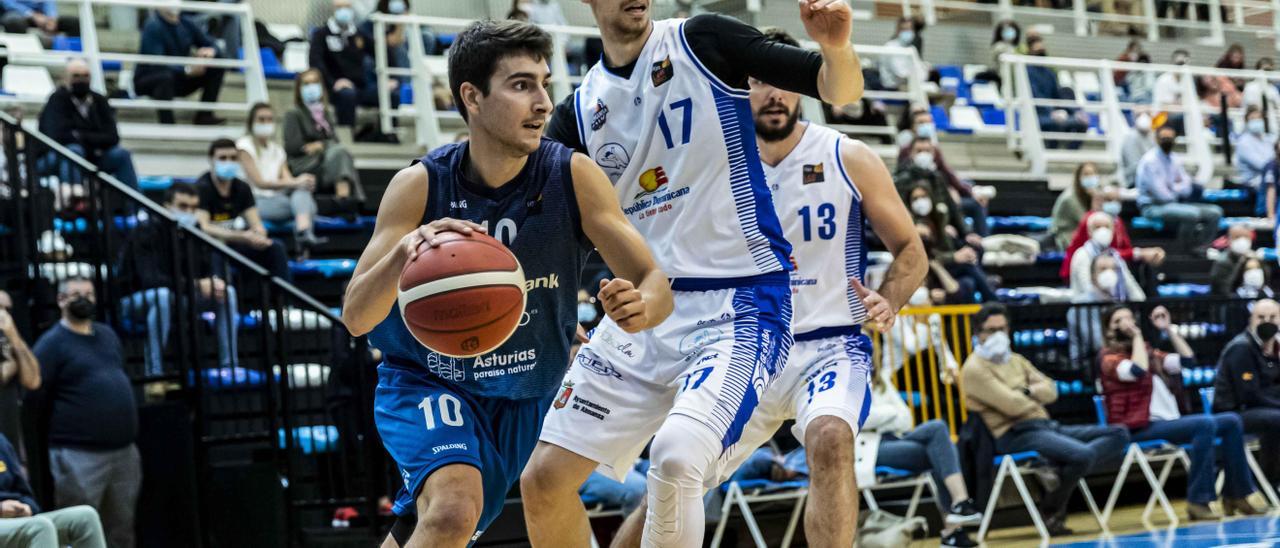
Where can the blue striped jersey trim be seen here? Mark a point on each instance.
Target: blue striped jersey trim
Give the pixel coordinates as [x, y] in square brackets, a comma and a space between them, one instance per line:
[855, 260]
[858, 348]
[757, 358]
[844, 172]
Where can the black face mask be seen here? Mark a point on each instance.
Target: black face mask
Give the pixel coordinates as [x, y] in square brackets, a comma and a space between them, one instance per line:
[1121, 336]
[1166, 145]
[81, 308]
[80, 89]
[1267, 330]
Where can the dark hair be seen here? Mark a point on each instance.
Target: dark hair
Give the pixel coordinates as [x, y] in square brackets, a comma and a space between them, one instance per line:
[1252, 109]
[1167, 127]
[297, 88]
[1106, 316]
[988, 310]
[775, 34]
[478, 49]
[1033, 40]
[1081, 194]
[1264, 61]
[384, 6]
[921, 140]
[179, 187]
[1181, 52]
[62, 285]
[248, 124]
[997, 34]
[220, 143]
[905, 121]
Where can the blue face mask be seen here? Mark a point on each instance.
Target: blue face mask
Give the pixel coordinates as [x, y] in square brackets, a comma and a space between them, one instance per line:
[926, 130]
[397, 7]
[1089, 182]
[344, 16]
[1009, 34]
[226, 170]
[906, 37]
[1257, 126]
[1111, 208]
[184, 218]
[587, 313]
[311, 93]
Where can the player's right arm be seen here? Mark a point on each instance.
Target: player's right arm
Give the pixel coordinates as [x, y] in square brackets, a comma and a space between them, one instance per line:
[396, 237]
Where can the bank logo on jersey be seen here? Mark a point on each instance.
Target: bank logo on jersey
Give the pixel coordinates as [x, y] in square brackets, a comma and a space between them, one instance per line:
[812, 174]
[652, 180]
[662, 72]
[613, 159]
[599, 115]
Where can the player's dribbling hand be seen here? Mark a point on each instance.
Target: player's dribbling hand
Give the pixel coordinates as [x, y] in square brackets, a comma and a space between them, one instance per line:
[427, 233]
[878, 309]
[624, 304]
[828, 22]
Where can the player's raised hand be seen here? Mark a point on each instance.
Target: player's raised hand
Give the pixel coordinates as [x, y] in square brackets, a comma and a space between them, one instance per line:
[827, 22]
[878, 308]
[624, 304]
[428, 232]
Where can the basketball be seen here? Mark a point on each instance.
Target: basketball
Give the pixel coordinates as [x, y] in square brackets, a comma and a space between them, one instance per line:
[464, 297]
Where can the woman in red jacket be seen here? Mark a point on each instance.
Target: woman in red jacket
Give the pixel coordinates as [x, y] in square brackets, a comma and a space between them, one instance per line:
[1139, 381]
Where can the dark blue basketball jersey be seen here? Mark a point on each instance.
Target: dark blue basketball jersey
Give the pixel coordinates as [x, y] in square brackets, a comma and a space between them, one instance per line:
[536, 217]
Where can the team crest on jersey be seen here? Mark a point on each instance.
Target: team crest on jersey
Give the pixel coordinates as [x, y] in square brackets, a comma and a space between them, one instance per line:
[566, 390]
[599, 115]
[613, 159]
[813, 173]
[652, 180]
[662, 72]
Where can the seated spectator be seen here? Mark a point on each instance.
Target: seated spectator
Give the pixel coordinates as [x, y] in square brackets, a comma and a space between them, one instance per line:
[312, 145]
[1084, 195]
[1270, 178]
[81, 120]
[1229, 267]
[42, 15]
[1120, 242]
[1248, 381]
[1132, 54]
[1253, 151]
[959, 259]
[923, 168]
[1139, 384]
[339, 52]
[19, 371]
[85, 403]
[1084, 323]
[1254, 281]
[1256, 89]
[972, 205]
[280, 196]
[895, 70]
[1137, 141]
[1101, 235]
[169, 33]
[906, 128]
[1166, 96]
[1233, 59]
[1165, 190]
[1044, 85]
[1140, 84]
[863, 112]
[397, 44]
[147, 275]
[1005, 38]
[23, 524]
[1010, 394]
[1212, 90]
[228, 212]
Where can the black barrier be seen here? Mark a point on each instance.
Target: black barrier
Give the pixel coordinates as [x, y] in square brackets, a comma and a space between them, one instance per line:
[269, 378]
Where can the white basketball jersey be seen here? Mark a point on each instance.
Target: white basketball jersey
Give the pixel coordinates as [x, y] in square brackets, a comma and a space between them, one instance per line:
[821, 213]
[679, 146]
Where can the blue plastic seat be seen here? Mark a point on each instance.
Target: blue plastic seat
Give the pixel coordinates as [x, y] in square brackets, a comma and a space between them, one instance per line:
[1147, 223]
[312, 439]
[156, 183]
[73, 43]
[327, 268]
[1018, 458]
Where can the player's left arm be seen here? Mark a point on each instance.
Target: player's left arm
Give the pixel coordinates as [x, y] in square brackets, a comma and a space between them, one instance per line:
[889, 218]
[640, 297]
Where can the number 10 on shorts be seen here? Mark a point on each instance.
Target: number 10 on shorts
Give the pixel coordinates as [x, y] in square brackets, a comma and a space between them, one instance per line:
[450, 411]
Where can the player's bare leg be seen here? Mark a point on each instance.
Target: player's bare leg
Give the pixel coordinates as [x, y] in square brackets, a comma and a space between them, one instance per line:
[831, 514]
[629, 533]
[553, 511]
[449, 508]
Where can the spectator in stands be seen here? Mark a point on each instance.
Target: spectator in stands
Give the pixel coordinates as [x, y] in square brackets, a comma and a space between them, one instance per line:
[229, 212]
[1137, 141]
[896, 69]
[1005, 38]
[1271, 178]
[23, 524]
[340, 52]
[19, 371]
[1085, 194]
[1248, 381]
[152, 284]
[1010, 394]
[1167, 93]
[959, 259]
[1165, 190]
[1120, 241]
[1253, 281]
[1254, 150]
[313, 146]
[1228, 269]
[397, 45]
[85, 404]
[81, 120]
[1101, 227]
[1044, 85]
[42, 15]
[863, 112]
[1143, 386]
[1140, 85]
[973, 205]
[1132, 53]
[1213, 90]
[1233, 59]
[280, 196]
[923, 168]
[1255, 90]
[1084, 323]
[168, 33]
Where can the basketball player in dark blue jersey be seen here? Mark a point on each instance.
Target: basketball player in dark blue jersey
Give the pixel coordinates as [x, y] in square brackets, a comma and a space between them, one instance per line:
[462, 429]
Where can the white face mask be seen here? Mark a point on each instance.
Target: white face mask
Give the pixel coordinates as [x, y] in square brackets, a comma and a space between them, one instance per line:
[1089, 182]
[1241, 245]
[1101, 237]
[1254, 278]
[1111, 208]
[920, 297]
[1256, 126]
[922, 206]
[1142, 123]
[995, 349]
[264, 129]
[923, 160]
[1107, 279]
[906, 37]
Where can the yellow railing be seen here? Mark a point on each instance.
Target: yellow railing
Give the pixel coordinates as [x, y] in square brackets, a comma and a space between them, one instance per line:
[923, 344]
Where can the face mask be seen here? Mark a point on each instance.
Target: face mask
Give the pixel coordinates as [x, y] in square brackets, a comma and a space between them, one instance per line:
[1256, 126]
[311, 93]
[1121, 335]
[80, 89]
[184, 218]
[1009, 34]
[1040, 53]
[1089, 182]
[1142, 123]
[1254, 278]
[1166, 145]
[586, 313]
[926, 130]
[1101, 237]
[920, 297]
[1179, 60]
[226, 170]
[81, 308]
[1267, 330]
[397, 7]
[906, 37]
[1107, 279]
[264, 130]
[1241, 245]
[923, 160]
[922, 206]
[1111, 208]
[344, 16]
[995, 349]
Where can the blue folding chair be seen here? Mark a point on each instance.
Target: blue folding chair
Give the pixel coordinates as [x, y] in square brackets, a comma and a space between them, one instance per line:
[1013, 466]
[1251, 444]
[1143, 453]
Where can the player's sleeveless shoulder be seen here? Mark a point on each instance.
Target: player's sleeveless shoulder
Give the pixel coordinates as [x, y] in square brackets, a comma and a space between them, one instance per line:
[536, 216]
[821, 212]
[679, 145]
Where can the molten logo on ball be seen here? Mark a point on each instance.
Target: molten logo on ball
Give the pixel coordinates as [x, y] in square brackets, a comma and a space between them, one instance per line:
[461, 311]
[471, 344]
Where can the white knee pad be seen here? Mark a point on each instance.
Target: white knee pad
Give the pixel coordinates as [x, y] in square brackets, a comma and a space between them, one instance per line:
[684, 453]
